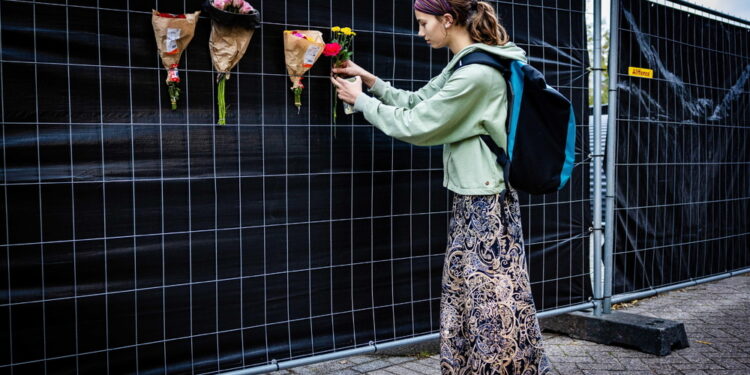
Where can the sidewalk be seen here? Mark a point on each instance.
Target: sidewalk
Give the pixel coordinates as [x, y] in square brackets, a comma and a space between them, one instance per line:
[716, 317]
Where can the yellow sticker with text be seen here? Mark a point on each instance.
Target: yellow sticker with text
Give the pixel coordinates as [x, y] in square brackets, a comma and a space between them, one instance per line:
[640, 72]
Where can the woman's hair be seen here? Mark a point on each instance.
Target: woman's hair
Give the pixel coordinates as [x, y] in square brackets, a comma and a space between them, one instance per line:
[478, 16]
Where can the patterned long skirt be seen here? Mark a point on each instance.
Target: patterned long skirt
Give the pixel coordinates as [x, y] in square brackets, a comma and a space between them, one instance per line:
[488, 322]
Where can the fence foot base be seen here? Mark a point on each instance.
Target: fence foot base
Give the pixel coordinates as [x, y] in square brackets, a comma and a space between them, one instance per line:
[644, 333]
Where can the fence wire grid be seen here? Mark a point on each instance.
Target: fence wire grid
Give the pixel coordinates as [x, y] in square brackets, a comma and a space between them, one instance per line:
[139, 239]
[682, 156]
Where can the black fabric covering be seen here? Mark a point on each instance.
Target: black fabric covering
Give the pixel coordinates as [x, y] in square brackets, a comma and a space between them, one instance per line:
[683, 175]
[136, 238]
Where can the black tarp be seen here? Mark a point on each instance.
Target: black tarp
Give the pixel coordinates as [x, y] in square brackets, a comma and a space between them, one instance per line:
[683, 163]
[135, 238]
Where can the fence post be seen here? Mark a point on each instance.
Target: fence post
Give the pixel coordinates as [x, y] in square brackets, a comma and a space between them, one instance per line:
[614, 42]
[597, 156]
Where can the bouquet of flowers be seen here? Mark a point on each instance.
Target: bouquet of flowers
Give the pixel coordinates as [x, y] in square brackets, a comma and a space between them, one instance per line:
[233, 23]
[340, 50]
[173, 33]
[302, 48]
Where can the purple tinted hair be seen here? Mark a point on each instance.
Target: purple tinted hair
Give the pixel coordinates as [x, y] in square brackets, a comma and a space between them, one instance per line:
[434, 7]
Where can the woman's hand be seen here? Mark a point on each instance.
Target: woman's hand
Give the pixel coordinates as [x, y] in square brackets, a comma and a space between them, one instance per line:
[348, 91]
[349, 68]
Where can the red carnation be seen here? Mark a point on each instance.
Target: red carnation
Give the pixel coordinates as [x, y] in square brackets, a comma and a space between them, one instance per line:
[332, 49]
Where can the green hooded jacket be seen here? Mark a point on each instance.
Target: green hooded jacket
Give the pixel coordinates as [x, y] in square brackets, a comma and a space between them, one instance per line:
[453, 109]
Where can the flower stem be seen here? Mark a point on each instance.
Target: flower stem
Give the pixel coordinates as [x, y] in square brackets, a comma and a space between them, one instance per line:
[335, 102]
[174, 94]
[222, 101]
[298, 98]
[336, 64]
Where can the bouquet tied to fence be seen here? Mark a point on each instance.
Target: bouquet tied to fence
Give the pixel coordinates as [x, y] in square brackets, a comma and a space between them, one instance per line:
[173, 33]
[302, 48]
[233, 23]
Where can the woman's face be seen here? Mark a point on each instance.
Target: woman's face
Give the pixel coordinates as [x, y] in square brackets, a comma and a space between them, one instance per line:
[432, 30]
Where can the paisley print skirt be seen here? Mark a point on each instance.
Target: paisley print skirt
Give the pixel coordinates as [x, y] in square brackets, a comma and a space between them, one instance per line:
[488, 322]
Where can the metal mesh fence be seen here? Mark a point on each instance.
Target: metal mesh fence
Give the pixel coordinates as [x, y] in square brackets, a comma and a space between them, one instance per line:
[138, 239]
[683, 162]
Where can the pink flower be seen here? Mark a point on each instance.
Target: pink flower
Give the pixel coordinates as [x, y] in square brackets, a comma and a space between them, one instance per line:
[246, 8]
[332, 49]
[221, 4]
[238, 3]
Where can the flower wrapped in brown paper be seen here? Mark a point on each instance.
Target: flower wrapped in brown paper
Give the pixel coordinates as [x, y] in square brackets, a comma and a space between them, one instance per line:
[302, 48]
[173, 33]
[231, 32]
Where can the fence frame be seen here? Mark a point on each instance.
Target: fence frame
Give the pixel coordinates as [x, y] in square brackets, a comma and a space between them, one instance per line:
[602, 284]
[608, 298]
[613, 65]
[597, 157]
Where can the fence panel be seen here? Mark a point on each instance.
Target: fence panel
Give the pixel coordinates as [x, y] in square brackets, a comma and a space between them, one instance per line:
[136, 238]
[682, 203]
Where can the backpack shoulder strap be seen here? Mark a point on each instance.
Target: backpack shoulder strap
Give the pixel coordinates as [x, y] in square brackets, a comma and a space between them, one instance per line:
[484, 58]
[503, 66]
[502, 156]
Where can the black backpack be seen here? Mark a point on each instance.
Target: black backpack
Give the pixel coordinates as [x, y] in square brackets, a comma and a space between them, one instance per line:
[540, 125]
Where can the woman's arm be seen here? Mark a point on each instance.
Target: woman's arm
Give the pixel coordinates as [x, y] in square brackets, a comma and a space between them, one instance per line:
[403, 98]
[451, 115]
[385, 92]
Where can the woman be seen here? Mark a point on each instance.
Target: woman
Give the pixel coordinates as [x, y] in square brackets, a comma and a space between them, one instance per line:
[488, 321]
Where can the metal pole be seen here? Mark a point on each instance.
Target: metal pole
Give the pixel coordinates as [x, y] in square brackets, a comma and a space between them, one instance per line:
[614, 42]
[651, 292]
[374, 347]
[597, 156]
[364, 350]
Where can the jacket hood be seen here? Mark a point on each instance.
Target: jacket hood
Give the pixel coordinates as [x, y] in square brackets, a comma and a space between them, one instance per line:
[508, 51]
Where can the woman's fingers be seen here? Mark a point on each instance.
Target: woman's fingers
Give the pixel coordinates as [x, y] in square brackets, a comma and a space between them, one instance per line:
[341, 82]
[348, 67]
[347, 90]
[345, 71]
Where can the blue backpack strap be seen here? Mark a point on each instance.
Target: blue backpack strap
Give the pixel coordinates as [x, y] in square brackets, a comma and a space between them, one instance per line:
[503, 66]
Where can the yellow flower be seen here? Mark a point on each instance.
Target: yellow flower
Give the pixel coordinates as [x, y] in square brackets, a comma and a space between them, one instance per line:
[346, 31]
[353, 33]
[335, 29]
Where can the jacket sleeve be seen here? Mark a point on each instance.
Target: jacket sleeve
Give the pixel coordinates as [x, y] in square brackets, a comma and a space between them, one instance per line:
[437, 120]
[403, 98]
